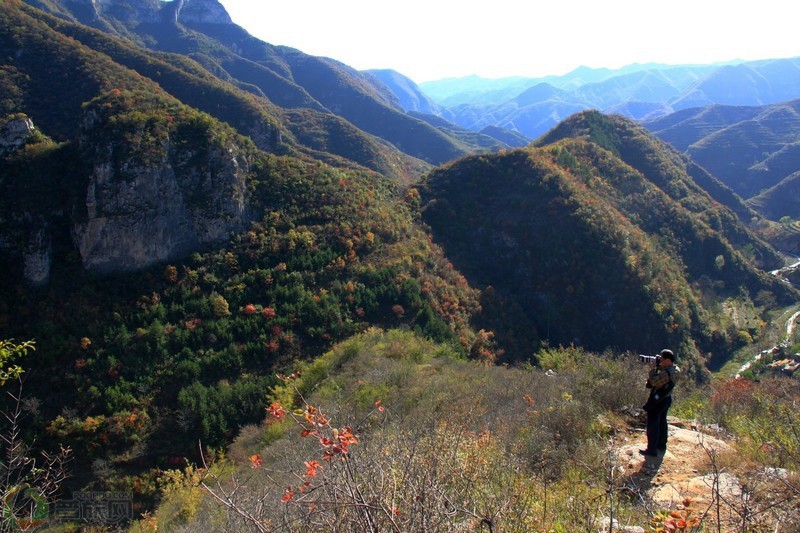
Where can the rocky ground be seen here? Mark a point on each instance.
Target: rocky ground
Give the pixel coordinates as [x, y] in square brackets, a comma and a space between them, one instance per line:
[702, 466]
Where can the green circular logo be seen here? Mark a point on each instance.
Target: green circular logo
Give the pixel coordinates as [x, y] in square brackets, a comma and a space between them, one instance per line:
[24, 508]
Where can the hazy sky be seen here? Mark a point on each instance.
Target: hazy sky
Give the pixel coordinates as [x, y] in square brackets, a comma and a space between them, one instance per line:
[433, 39]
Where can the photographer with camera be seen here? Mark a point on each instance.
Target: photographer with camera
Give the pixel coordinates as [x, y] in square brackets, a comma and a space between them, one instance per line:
[660, 381]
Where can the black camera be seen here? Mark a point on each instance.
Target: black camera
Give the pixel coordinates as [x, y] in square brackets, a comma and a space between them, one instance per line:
[650, 359]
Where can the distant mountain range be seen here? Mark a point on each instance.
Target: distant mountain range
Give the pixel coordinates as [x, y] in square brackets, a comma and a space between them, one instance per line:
[739, 121]
[532, 106]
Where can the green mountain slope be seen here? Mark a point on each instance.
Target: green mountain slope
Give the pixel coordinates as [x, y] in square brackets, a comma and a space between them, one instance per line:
[597, 236]
[187, 347]
[674, 175]
[178, 228]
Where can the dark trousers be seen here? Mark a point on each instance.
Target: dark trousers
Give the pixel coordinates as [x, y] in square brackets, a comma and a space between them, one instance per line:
[657, 425]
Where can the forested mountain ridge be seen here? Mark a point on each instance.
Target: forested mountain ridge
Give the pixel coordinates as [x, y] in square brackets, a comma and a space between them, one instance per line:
[202, 30]
[84, 73]
[598, 236]
[675, 175]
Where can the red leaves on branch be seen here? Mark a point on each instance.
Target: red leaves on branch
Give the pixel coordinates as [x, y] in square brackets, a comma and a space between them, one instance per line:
[276, 409]
[340, 444]
[311, 468]
[335, 442]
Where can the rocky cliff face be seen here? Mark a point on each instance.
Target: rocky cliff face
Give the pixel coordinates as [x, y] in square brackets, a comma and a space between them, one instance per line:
[202, 12]
[137, 209]
[14, 134]
[32, 241]
[138, 213]
[133, 223]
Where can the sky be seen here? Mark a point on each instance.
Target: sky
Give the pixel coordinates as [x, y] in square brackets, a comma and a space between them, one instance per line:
[429, 40]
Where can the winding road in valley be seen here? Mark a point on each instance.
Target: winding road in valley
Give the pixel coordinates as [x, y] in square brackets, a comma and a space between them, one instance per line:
[790, 326]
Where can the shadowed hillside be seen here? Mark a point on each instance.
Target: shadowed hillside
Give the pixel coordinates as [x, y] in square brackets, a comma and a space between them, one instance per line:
[170, 242]
[782, 200]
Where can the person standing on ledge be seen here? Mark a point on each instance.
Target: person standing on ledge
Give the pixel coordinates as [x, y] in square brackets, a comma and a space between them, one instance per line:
[660, 381]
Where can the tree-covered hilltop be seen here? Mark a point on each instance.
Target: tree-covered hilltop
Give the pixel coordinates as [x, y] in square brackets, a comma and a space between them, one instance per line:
[678, 177]
[597, 236]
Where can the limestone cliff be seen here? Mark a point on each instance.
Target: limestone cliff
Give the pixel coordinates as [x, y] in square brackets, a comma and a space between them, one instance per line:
[138, 211]
[132, 198]
[133, 222]
[14, 134]
[202, 12]
[24, 233]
